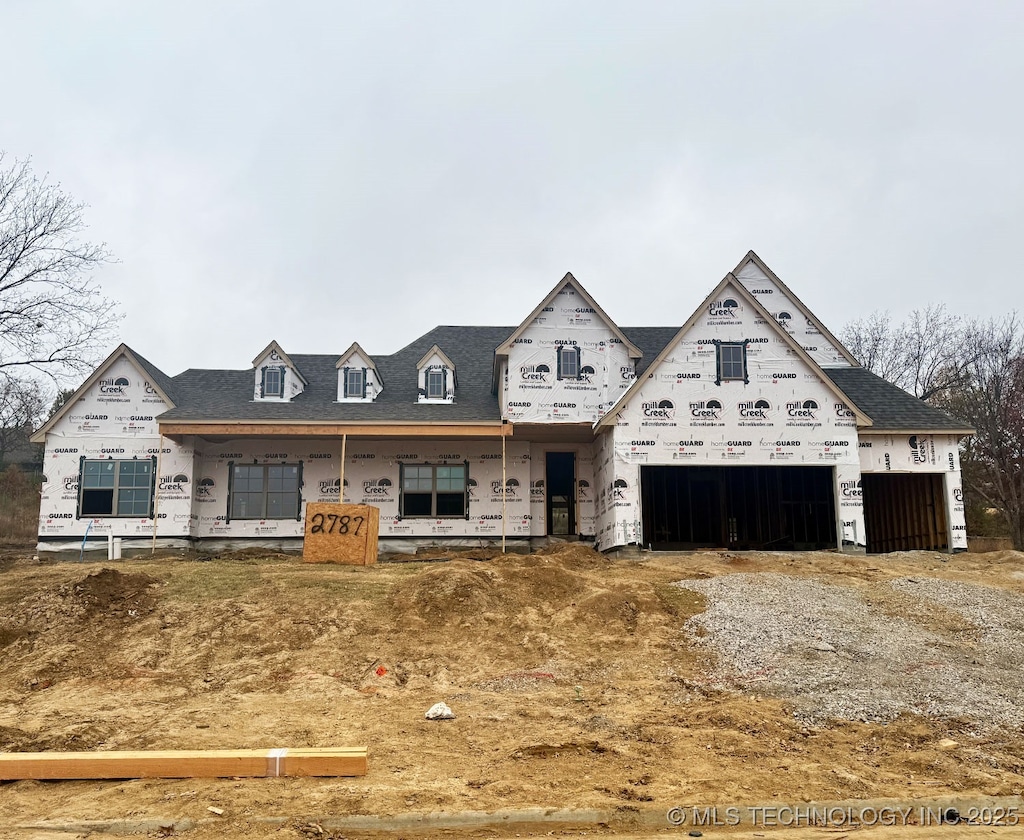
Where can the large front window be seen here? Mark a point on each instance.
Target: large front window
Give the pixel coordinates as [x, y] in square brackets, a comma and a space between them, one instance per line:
[116, 488]
[434, 490]
[265, 491]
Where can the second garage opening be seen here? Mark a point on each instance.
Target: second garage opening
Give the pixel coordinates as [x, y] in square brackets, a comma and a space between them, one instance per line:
[770, 508]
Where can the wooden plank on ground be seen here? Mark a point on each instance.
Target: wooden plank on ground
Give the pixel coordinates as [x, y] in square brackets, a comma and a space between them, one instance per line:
[340, 533]
[184, 764]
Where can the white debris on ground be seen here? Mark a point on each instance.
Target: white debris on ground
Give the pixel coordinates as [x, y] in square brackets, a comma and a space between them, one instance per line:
[440, 711]
[870, 653]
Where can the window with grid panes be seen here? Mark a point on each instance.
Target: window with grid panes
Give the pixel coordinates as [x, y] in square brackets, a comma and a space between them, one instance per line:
[116, 488]
[434, 490]
[265, 491]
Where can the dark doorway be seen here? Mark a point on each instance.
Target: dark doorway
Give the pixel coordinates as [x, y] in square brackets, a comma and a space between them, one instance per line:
[904, 512]
[774, 508]
[560, 480]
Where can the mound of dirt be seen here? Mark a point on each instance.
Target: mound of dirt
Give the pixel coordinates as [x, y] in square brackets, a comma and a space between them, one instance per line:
[113, 593]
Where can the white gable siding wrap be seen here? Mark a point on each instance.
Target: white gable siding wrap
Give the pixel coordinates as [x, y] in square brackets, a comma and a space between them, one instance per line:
[791, 315]
[114, 420]
[536, 391]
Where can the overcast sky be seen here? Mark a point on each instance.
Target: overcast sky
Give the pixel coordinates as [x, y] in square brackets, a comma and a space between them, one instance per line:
[327, 172]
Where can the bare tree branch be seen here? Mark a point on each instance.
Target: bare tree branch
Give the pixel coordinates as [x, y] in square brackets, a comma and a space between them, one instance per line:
[54, 320]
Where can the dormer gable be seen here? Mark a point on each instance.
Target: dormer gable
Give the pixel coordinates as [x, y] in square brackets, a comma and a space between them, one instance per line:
[435, 377]
[358, 378]
[276, 378]
[582, 305]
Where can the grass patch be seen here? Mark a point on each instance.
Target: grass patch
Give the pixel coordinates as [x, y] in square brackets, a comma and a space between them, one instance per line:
[682, 603]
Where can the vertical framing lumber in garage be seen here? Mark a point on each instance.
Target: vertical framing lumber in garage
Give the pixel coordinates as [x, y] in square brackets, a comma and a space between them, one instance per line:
[341, 476]
[905, 512]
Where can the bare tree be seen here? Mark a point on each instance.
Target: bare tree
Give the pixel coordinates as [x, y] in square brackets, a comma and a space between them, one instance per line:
[992, 401]
[22, 405]
[53, 318]
[926, 355]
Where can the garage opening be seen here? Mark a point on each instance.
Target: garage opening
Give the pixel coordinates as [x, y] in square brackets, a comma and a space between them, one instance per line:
[904, 512]
[769, 508]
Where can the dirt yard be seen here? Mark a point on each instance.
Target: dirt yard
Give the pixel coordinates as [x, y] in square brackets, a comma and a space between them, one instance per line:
[577, 682]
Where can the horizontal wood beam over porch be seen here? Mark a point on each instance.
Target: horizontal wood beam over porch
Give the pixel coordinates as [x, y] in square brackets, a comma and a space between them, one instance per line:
[228, 430]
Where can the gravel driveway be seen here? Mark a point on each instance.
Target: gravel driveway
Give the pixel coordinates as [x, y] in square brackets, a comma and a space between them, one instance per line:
[867, 652]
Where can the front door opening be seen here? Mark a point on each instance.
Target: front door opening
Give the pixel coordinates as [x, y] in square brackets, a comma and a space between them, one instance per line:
[560, 479]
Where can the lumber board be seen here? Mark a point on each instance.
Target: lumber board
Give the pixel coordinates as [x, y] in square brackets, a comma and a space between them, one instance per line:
[184, 764]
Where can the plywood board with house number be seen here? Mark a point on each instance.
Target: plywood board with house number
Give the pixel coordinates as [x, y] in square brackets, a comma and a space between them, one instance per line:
[337, 533]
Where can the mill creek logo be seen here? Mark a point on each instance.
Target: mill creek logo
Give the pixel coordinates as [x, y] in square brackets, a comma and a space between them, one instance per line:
[204, 489]
[659, 409]
[114, 387]
[706, 410]
[377, 487]
[582, 488]
[534, 373]
[331, 487]
[851, 490]
[843, 412]
[537, 490]
[508, 491]
[627, 373]
[174, 483]
[723, 308]
[802, 410]
[918, 449]
[783, 317]
[754, 409]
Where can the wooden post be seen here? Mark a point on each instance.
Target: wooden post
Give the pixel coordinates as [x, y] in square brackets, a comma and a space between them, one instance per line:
[156, 491]
[504, 495]
[341, 478]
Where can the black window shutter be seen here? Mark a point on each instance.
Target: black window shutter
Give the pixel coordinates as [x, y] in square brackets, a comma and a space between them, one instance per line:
[231, 483]
[344, 382]
[558, 358]
[263, 382]
[364, 384]
[152, 491]
[444, 383]
[298, 497]
[282, 369]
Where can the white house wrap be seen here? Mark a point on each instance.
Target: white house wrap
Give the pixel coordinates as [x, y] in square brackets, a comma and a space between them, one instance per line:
[745, 425]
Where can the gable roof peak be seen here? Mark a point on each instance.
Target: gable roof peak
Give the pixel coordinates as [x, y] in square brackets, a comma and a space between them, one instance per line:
[277, 349]
[753, 259]
[504, 348]
[146, 368]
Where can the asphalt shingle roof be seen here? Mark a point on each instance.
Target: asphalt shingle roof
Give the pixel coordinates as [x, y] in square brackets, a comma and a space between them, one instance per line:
[228, 394]
[889, 407]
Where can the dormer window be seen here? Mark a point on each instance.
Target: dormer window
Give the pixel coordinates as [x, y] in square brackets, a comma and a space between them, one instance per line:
[276, 376]
[355, 383]
[435, 384]
[436, 378]
[358, 377]
[273, 382]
